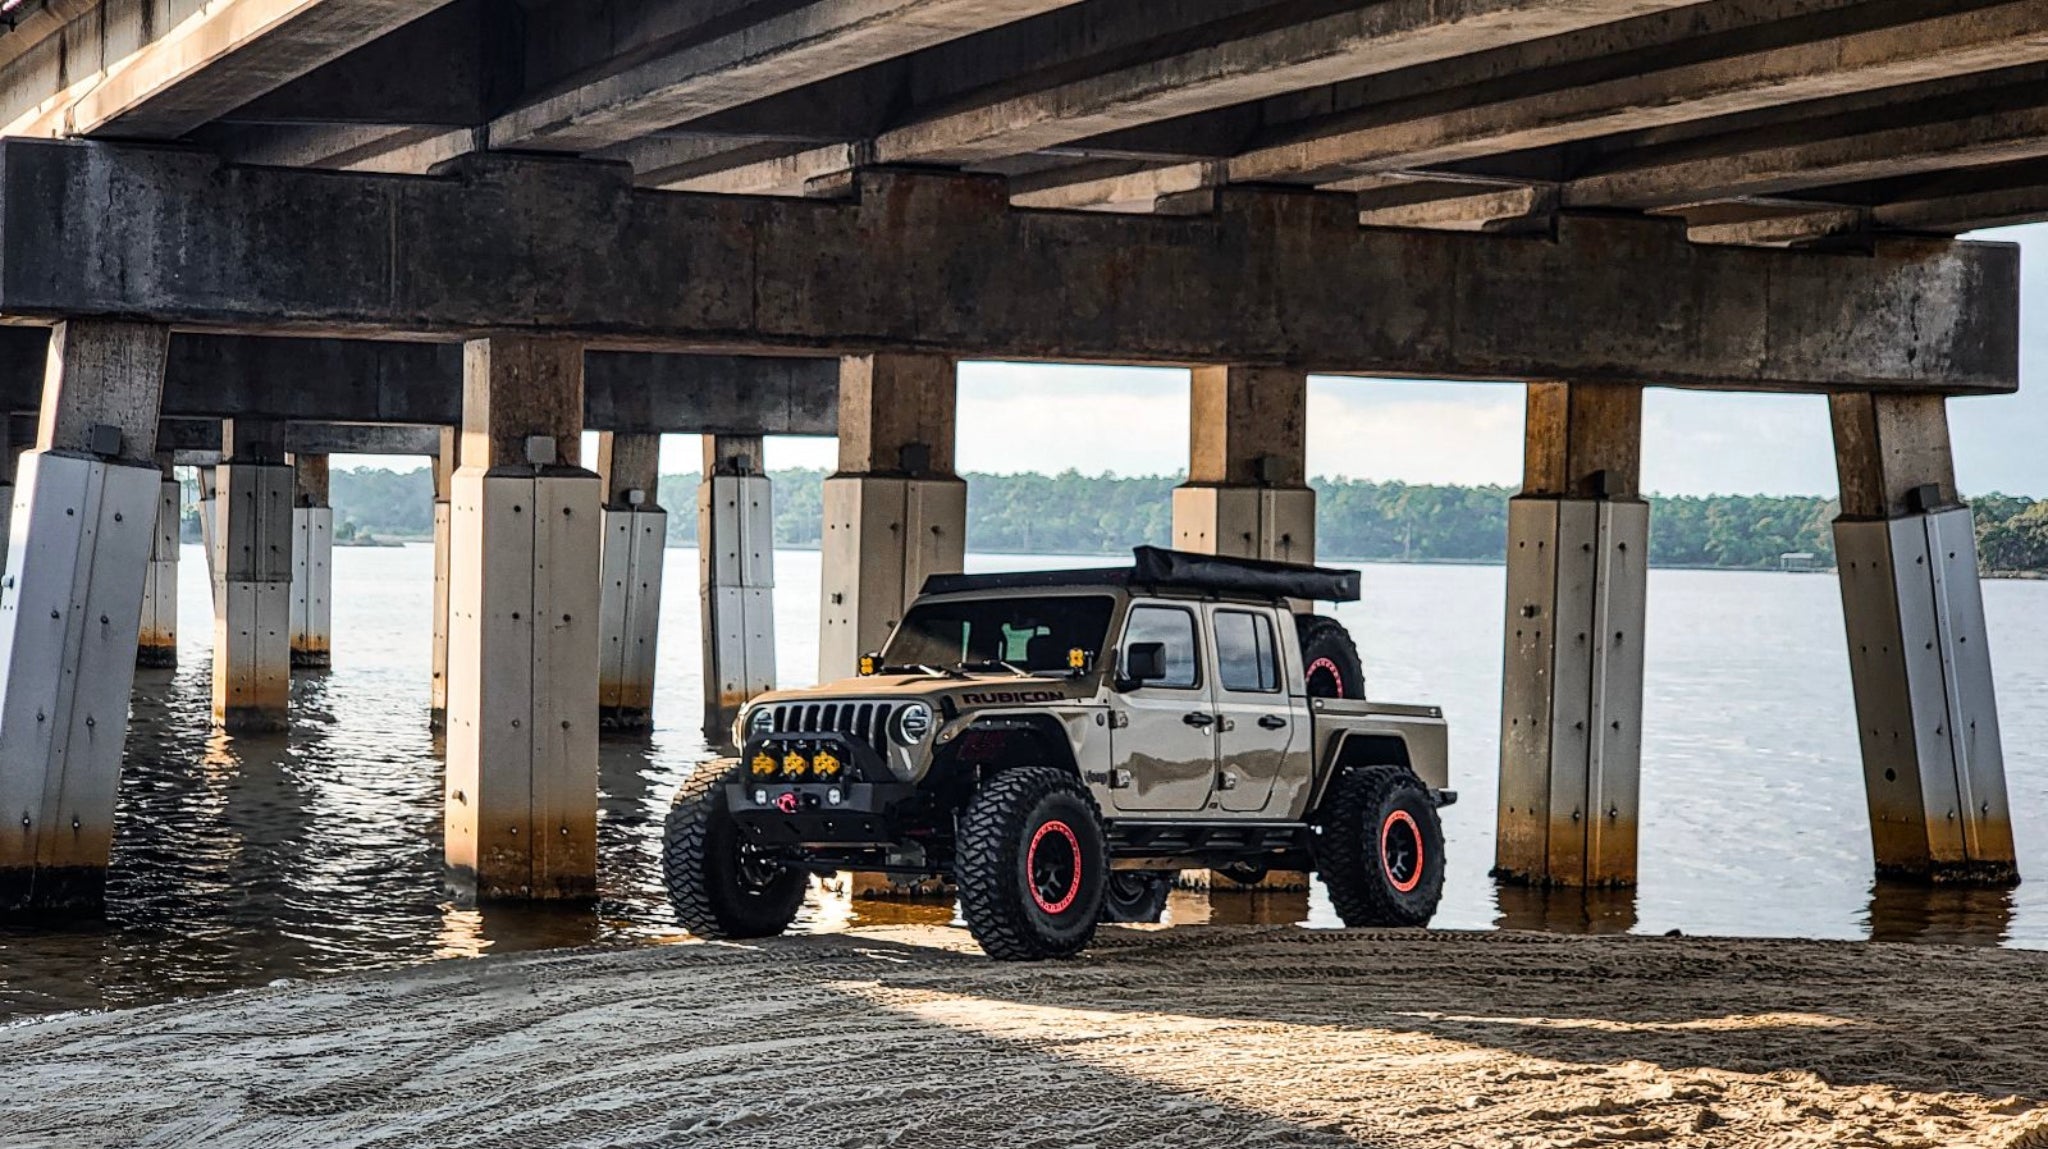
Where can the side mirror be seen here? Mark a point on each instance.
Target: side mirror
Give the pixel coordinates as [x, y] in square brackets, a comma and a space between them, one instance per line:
[1144, 662]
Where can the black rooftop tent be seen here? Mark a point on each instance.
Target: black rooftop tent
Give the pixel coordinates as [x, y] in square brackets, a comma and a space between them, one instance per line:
[1162, 569]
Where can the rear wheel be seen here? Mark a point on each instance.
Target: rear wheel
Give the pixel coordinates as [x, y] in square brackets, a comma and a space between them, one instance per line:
[1329, 657]
[1381, 851]
[720, 886]
[1031, 864]
[1136, 895]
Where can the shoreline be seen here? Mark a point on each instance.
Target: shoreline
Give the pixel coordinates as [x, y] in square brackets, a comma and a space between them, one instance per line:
[1193, 1036]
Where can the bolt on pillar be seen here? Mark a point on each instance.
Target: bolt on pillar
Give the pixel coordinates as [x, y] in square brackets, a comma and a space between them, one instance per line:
[1247, 493]
[1572, 684]
[312, 565]
[84, 510]
[1919, 654]
[894, 511]
[629, 606]
[736, 565]
[444, 485]
[157, 644]
[252, 565]
[521, 798]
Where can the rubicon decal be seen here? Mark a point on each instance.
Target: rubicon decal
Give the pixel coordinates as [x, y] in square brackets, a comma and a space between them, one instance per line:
[1009, 697]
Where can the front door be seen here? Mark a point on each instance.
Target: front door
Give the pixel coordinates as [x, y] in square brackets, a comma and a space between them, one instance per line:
[1163, 748]
[1256, 722]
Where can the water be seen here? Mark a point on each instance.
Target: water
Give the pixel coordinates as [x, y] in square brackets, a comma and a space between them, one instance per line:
[241, 860]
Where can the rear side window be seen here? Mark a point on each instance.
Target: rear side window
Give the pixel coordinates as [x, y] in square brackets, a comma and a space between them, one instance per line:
[1175, 629]
[1246, 659]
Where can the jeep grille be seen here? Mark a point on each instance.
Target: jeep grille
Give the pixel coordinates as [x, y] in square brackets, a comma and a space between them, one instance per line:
[866, 721]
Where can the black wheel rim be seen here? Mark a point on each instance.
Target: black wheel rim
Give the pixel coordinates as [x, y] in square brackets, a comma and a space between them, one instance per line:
[1401, 850]
[756, 871]
[1325, 680]
[1053, 866]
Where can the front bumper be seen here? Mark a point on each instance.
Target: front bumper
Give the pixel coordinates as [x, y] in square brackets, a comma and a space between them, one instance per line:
[816, 813]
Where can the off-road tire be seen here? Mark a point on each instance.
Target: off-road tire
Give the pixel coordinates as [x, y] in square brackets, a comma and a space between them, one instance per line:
[1136, 896]
[1329, 658]
[1012, 815]
[1370, 885]
[700, 863]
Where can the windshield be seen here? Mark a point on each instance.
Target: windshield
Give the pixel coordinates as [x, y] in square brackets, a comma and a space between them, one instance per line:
[1029, 633]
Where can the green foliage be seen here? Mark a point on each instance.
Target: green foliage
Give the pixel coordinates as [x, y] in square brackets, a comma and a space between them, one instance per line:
[1073, 513]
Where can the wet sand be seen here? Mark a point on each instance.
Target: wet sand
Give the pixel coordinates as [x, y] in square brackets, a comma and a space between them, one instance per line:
[1223, 1036]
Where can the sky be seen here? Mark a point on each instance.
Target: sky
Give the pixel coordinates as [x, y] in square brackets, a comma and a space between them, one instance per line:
[1134, 421]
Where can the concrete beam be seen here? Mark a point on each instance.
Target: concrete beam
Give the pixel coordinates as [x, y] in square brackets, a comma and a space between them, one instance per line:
[1377, 139]
[1739, 168]
[789, 49]
[1327, 47]
[337, 381]
[220, 57]
[190, 438]
[942, 264]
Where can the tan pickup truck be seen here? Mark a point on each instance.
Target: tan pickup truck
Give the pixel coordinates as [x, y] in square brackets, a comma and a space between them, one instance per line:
[1058, 743]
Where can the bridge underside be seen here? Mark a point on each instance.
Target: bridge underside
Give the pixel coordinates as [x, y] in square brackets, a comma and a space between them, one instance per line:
[627, 210]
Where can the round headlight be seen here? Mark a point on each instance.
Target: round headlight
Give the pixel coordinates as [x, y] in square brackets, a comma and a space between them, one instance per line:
[760, 720]
[913, 723]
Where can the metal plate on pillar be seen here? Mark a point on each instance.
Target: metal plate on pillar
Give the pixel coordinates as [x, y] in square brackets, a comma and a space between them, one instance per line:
[312, 586]
[70, 609]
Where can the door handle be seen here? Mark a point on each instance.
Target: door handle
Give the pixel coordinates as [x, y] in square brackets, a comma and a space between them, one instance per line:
[1197, 718]
[1271, 722]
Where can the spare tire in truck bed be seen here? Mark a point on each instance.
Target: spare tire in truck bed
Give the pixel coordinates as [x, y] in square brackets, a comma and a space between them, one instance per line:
[1329, 657]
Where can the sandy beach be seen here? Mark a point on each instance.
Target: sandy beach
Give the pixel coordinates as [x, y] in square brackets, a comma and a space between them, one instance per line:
[1223, 1036]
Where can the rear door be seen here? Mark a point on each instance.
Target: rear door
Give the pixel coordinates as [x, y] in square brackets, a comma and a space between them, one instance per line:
[1163, 744]
[1259, 732]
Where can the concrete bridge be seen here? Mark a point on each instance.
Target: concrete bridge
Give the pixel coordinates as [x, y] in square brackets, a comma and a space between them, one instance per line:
[625, 211]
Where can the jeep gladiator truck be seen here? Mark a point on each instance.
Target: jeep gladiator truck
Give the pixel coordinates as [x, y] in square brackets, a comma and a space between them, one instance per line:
[1059, 743]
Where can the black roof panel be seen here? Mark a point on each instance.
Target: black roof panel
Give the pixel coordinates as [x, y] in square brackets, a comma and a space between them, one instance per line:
[1157, 567]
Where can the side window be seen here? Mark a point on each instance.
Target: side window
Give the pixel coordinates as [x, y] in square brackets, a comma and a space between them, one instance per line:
[1245, 654]
[1173, 627]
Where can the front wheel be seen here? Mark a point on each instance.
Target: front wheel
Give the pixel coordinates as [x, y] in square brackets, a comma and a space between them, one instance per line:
[720, 886]
[1381, 852]
[1031, 864]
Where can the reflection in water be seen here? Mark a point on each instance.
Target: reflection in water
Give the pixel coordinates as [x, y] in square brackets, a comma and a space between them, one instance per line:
[1951, 915]
[1564, 911]
[1237, 907]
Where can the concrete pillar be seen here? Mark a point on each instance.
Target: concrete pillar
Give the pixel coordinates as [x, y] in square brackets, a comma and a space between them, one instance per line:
[524, 539]
[209, 488]
[1572, 685]
[736, 580]
[71, 606]
[1919, 656]
[894, 511]
[1247, 496]
[1247, 492]
[252, 566]
[629, 603]
[444, 485]
[17, 442]
[157, 643]
[312, 565]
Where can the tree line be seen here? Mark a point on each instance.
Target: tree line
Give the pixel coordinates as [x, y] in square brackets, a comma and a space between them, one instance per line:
[1073, 513]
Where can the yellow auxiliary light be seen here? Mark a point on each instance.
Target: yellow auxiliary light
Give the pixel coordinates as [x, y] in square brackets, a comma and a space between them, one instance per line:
[794, 765]
[764, 766]
[1076, 658]
[825, 765]
[867, 666]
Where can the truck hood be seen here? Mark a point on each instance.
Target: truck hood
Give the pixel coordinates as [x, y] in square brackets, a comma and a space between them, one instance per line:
[975, 692]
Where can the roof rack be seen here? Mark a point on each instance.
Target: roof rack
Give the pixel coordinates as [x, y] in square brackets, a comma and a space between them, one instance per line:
[1159, 568]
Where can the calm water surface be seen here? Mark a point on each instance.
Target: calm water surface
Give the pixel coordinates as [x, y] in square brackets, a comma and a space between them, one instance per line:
[242, 860]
